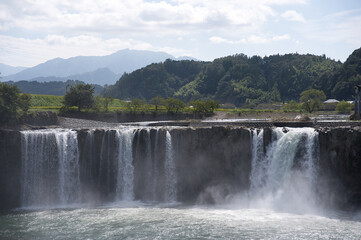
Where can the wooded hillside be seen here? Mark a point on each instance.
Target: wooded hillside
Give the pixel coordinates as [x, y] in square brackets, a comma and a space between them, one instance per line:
[242, 80]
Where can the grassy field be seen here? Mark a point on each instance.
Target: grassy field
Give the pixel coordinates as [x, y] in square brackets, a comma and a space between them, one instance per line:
[51, 102]
[38, 100]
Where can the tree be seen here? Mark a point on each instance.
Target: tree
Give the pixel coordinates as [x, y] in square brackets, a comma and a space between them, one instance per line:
[312, 99]
[24, 102]
[204, 106]
[106, 102]
[157, 101]
[10, 101]
[135, 105]
[292, 106]
[81, 96]
[174, 105]
[344, 107]
[275, 93]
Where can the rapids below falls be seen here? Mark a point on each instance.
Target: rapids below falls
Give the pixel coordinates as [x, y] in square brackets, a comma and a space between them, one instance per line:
[175, 183]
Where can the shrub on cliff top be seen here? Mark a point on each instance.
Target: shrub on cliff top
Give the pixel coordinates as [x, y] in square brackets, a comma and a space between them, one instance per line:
[344, 107]
[81, 96]
[11, 101]
[312, 99]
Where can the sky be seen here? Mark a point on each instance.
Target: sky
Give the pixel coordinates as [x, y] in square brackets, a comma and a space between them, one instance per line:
[34, 31]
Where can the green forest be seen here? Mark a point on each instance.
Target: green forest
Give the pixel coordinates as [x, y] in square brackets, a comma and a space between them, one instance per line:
[242, 80]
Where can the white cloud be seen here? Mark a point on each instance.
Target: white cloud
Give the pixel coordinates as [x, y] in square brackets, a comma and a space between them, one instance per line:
[91, 27]
[342, 27]
[257, 39]
[253, 39]
[281, 37]
[91, 16]
[286, 2]
[216, 39]
[177, 52]
[292, 15]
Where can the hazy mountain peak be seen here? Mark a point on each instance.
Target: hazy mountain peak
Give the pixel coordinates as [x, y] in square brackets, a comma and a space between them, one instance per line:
[6, 70]
[124, 60]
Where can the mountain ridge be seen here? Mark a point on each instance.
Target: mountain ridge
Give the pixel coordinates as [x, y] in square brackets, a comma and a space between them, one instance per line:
[119, 62]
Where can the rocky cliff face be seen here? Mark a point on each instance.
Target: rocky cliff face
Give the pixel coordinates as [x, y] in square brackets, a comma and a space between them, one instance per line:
[340, 165]
[212, 162]
[10, 170]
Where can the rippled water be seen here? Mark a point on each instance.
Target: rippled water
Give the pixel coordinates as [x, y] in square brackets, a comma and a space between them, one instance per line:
[157, 222]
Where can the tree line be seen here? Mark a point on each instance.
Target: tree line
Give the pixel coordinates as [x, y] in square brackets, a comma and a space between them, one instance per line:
[82, 97]
[14, 104]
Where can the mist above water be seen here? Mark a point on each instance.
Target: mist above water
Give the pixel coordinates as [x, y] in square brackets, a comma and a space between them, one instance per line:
[284, 173]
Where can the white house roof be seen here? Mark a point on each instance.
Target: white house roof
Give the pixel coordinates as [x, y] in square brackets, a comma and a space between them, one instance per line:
[331, 101]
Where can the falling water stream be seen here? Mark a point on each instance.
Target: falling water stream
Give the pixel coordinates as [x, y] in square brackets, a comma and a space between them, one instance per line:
[170, 171]
[125, 177]
[280, 179]
[50, 168]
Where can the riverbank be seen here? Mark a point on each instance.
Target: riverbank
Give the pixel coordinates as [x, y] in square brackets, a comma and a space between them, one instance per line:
[44, 120]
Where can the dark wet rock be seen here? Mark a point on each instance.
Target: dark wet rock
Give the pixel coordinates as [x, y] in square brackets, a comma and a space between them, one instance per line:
[10, 170]
[340, 162]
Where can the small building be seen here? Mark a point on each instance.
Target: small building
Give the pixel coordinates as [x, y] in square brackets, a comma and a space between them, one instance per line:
[333, 101]
[330, 105]
[357, 101]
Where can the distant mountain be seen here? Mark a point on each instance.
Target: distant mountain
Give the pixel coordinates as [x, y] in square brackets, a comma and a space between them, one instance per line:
[54, 87]
[185, 58]
[8, 70]
[119, 62]
[101, 75]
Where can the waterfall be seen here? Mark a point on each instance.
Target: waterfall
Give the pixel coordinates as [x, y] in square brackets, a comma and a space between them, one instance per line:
[257, 178]
[170, 171]
[125, 174]
[50, 165]
[68, 158]
[283, 170]
[283, 177]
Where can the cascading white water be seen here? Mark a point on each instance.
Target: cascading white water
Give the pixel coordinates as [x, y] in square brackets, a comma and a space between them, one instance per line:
[257, 178]
[68, 157]
[280, 179]
[125, 174]
[170, 171]
[50, 165]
